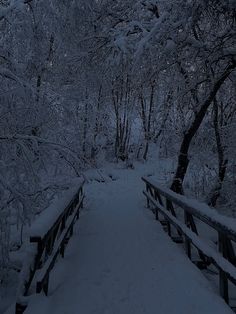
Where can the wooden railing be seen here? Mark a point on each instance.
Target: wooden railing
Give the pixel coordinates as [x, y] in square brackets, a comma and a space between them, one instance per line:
[46, 244]
[183, 219]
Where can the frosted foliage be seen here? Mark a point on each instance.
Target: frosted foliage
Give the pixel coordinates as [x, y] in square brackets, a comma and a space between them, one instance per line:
[38, 153]
[84, 83]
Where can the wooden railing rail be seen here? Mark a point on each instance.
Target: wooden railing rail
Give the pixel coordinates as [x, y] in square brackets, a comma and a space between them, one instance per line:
[164, 204]
[45, 246]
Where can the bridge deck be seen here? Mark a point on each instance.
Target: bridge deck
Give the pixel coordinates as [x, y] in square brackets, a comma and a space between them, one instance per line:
[121, 262]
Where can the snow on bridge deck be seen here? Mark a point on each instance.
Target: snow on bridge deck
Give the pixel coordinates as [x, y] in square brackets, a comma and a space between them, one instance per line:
[121, 262]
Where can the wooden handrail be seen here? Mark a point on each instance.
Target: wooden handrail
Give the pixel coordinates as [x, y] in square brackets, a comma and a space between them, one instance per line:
[45, 246]
[197, 209]
[163, 202]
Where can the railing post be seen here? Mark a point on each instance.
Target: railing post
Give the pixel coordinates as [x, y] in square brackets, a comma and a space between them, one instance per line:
[223, 280]
[156, 209]
[78, 214]
[43, 286]
[38, 287]
[159, 198]
[80, 199]
[187, 243]
[63, 223]
[168, 206]
[147, 190]
[71, 231]
[46, 285]
[81, 195]
[62, 249]
[20, 308]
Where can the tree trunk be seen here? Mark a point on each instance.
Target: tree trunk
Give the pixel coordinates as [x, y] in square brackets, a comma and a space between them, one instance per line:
[222, 162]
[183, 160]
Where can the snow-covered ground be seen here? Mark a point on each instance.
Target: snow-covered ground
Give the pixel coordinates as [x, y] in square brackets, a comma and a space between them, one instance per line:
[121, 262]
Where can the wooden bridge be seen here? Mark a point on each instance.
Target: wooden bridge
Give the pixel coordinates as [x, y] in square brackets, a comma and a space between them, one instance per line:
[207, 238]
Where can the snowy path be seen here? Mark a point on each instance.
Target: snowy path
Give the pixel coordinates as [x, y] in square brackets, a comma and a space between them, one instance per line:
[121, 262]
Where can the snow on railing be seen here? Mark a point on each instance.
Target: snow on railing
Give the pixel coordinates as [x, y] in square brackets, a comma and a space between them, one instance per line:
[166, 203]
[48, 237]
